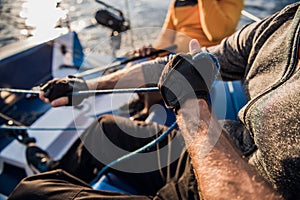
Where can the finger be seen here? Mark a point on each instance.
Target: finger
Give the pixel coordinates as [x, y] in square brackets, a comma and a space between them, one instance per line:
[131, 53]
[42, 97]
[194, 47]
[144, 51]
[148, 52]
[62, 101]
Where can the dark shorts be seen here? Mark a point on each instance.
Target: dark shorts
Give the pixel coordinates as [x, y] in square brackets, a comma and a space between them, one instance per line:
[163, 172]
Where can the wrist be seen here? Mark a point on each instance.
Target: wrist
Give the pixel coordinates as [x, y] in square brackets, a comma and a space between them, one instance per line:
[92, 85]
[202, 96]
[194, 119]
[196, 115]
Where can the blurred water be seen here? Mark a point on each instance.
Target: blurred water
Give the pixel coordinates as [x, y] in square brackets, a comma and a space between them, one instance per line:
[21, 19]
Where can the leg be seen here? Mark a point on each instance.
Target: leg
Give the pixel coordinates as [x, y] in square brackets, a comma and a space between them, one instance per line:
[183, 185]
[171, 179]
[61, 185]
[149, 100]
[167, 162]
[100, 143]
[112, 137]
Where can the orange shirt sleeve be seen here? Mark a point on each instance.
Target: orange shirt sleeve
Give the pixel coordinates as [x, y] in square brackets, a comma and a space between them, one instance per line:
[168, 23]
[219, 18]
[167, 34]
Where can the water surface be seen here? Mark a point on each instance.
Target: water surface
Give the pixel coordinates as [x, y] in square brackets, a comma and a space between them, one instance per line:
[21, 19]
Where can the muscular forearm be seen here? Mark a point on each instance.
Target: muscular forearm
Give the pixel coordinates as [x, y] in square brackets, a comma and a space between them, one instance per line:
[125, 78]
[138, 75]
[220, 170]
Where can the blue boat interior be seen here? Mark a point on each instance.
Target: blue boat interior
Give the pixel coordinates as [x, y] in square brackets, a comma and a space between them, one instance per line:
[23, 70]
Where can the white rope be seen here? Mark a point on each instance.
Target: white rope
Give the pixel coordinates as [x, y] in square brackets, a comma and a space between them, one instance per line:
[107, 91]
[250, 16]
[26, 128]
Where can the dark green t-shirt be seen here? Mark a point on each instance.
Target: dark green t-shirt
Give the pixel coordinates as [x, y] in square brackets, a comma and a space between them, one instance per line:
[264, 56]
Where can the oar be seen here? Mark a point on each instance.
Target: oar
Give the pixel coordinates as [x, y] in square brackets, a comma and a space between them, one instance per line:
[84, 92]
[119, 63]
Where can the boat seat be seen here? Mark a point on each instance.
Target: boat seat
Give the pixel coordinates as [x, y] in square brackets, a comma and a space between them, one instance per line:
[235, 99]
[227, 106]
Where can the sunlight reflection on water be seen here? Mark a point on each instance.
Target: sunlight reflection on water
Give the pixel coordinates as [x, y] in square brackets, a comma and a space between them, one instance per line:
[32, 10]
[23, 18]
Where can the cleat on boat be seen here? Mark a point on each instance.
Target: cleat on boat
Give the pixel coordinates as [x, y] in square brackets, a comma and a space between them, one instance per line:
[39, 160]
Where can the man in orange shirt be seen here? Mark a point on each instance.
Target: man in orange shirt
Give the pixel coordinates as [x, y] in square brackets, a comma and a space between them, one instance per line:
[208, 21]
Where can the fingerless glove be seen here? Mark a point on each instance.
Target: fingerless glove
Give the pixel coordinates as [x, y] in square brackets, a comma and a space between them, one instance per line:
[57, 88]
[187, 77]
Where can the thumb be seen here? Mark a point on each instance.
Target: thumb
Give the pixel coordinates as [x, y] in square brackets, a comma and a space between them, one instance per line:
[194, 47]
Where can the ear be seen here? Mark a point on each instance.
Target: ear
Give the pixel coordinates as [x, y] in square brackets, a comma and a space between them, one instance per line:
[194, 47]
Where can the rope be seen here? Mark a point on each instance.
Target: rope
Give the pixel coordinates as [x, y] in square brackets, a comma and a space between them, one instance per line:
[119, 63]
[25, 128]
[84, 92]
[129, 155]
[250, 16]
[128, 90]
[19, 91]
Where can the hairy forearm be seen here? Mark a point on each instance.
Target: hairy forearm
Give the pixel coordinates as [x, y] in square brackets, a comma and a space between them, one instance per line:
[130, 77]
[138, 75]
[220, 170]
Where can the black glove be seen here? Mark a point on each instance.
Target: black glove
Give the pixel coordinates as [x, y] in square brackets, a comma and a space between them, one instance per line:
[57, 88]
[187, 77]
